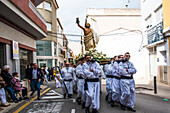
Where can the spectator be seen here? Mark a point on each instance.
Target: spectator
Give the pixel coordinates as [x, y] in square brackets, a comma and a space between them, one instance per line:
[17, 86]
[58, 80]
[50, 71]
[34, 78]
[54, 73]
[42, 76]
[46, 73]
[27, 71]
[7, 78]
[4, 103]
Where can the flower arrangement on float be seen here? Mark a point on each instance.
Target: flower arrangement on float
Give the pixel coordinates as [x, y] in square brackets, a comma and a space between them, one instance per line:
[98, 56]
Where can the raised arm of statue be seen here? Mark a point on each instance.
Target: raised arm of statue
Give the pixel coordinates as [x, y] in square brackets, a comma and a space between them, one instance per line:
[81, 27]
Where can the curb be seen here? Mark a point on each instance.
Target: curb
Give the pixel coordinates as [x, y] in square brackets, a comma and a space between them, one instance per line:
[155, 95]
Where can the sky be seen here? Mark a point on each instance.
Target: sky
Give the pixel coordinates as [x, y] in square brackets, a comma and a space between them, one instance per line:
[69, 10]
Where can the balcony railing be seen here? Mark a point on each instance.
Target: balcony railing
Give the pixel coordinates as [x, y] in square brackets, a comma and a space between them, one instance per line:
[36, 12]
[155, 34]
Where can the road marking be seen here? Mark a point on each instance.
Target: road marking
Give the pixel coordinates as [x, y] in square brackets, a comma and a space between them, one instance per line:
[52, 97]
[56, 93]
[58, 100]
[57, 108]
[73, 111]
[50, 94]
[26, 104]
[52, 107]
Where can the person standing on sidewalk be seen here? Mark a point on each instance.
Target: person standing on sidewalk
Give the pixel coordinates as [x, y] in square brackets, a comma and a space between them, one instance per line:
[7, 77]
[67, 74]
[80, 81]
[92, 71]
[127, 83]
[35, 78]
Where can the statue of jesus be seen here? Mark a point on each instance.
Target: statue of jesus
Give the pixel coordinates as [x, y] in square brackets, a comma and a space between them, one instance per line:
[89, 41]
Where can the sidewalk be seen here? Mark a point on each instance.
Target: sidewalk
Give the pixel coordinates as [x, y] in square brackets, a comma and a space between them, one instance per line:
[163, 90]
[13, 105]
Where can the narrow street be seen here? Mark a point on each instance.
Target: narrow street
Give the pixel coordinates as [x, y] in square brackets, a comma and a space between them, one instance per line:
[52, 102]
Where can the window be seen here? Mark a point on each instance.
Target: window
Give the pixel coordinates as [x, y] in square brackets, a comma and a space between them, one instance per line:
[40, 5]
[26, 57]
[159, 14]
[149, 22]
[47, 6]
[43, 48]
[48, 26]
[55, 49]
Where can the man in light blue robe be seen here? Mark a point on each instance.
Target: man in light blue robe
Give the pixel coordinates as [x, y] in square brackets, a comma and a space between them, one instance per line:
[127, 84]
[92, 71]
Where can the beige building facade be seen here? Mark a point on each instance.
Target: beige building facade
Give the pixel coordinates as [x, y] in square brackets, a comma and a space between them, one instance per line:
[50, 49]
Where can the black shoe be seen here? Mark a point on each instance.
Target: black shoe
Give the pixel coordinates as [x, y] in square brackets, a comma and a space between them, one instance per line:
[79, 101]
[31, 93]
[106, 98]
[94, 111]
[87, 110]
[38, 98]
[15, 101]
[123, 107]
[20, 99]
[70, 96]
[131, 109]
[64, 95]
[83, 105]
[109, 102]
[26, 98]
[112, 104]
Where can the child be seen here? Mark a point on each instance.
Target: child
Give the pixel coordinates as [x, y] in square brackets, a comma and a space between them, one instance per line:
[58, 80]
[17, 86]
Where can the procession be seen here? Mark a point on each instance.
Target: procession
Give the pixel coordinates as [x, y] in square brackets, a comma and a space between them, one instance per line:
[119, 77]
[84, 56]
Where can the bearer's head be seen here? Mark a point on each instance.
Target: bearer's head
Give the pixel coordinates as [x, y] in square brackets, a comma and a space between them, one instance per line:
[88, 57]
[67, 64]
[127, 55]
[115, 58]
[120, 57]
[80, 60]
[87, 25]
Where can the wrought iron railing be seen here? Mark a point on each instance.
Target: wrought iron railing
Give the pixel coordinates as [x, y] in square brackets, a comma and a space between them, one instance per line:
[155, 34]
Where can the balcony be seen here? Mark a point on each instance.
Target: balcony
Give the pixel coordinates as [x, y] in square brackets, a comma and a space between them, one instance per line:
[21, 14]
[36, 12]
[155, 34]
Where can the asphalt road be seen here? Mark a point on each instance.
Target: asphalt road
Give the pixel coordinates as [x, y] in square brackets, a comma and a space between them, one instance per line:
[52, 102]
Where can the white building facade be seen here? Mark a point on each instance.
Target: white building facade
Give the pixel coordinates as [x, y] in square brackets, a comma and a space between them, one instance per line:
[152, 21]
[119, 31]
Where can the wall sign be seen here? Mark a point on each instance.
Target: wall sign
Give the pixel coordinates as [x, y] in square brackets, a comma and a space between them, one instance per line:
[15, 50]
